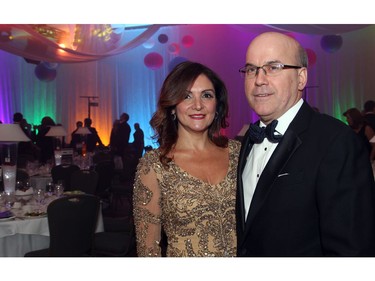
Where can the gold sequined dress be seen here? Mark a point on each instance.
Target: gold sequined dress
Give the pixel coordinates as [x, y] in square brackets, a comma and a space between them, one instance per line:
[198, 218]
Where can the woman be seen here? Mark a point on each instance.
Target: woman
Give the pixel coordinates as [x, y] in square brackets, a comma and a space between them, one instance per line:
[186, 187]
[358, 123]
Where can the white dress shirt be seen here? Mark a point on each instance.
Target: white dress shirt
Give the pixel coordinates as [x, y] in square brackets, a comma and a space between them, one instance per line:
[261, 153]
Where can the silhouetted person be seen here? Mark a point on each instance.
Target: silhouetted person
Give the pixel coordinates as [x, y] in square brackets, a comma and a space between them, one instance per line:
[27, 151]
[138, 144]
[77, 139]
[92, 139]
[120, 137]
[358, 123]
[45, 143]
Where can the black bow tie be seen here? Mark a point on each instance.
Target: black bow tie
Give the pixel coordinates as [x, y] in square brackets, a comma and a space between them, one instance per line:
[257, 134]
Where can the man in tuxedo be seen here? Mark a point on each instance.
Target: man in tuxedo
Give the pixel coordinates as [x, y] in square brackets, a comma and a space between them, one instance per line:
[307, 188]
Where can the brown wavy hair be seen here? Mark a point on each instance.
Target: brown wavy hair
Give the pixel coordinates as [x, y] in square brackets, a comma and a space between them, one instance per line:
[173, 91]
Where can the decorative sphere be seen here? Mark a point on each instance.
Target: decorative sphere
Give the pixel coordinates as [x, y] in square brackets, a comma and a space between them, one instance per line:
[163, 38]
[45, 74]
[187, 41]
[311, 56]
[153, 60]
[331, 43]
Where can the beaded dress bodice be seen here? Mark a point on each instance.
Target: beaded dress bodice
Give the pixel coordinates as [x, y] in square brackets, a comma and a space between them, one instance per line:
[198, 218]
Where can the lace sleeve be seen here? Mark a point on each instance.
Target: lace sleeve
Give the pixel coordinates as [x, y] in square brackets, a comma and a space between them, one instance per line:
[147, 211]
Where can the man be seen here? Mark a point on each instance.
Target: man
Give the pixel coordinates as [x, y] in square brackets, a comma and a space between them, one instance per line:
[311, 193]
[138, 143]
[77, 139]
[93, 139]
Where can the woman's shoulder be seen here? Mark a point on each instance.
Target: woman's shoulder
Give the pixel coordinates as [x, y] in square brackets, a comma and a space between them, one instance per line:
[234, 145]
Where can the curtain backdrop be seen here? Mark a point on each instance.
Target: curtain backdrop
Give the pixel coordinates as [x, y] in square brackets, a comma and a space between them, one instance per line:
[126, 72]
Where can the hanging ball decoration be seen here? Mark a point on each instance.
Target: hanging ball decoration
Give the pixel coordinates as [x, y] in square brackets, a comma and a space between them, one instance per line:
[311, 56]
[50, 65]
[163, 38]
[187, 41]
[45, 74]
[174, 62]
[149, 44]
[153, 60]
[174, 48]
[331, 43]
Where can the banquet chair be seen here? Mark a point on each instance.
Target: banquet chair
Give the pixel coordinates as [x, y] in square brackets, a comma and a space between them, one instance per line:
[121, 195]
[102, 156]
[72, 222]
[84, 180]
[22, 176]
[63, 173]
[106, 172]
[117, 240]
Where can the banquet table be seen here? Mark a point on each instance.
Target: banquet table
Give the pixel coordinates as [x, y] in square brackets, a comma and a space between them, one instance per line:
[22, 234]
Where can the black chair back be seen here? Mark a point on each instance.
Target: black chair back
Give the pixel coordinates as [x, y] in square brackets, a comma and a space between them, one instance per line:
[106, 172]
[72, 222]
[22, 176]
[85, 181]
[63, 173]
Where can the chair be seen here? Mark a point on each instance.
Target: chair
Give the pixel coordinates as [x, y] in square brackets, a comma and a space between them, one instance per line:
[84, 180]
[63, 173]
[22, 176]
[102, 156]
[106, 172]
[117, 240]
[72, 222]
[122, 194]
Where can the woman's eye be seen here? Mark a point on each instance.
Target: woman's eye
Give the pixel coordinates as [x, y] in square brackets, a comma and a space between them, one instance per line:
[208, 94]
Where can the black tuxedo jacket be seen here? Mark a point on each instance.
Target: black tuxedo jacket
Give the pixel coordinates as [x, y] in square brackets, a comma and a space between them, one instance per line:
[315, 197]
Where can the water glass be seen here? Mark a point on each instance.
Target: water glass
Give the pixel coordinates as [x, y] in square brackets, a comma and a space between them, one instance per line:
[49, 189]
[59, 190]
[9, 200]
[39, 198]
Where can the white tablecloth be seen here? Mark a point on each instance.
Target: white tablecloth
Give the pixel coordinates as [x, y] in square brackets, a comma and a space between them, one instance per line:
[20, 236]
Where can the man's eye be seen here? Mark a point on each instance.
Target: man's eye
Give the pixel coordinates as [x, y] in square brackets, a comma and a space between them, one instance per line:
[251, 69]
[273, 67]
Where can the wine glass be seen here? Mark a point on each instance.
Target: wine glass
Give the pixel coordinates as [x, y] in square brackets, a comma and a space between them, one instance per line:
[59, 190]
[39, 196]
[49, 188]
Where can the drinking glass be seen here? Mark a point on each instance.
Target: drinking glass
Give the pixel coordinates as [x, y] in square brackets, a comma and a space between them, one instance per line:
[59, 190]
[49, 188]
[39, 195]
[9, 200]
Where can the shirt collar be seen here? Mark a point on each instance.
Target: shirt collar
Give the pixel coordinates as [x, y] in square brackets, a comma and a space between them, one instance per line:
[286, 118]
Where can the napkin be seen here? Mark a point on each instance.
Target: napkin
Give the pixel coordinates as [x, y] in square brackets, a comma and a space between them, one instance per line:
[5, 214]
[26, 192]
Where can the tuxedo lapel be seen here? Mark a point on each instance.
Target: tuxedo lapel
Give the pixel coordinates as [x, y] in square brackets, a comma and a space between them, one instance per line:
[245, 149]
[278, 160]
[284, 151]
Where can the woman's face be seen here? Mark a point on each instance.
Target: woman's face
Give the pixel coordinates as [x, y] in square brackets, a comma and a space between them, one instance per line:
[197, 111]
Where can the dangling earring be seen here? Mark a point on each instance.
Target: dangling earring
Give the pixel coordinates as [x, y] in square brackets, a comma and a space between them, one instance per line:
[174, 116]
